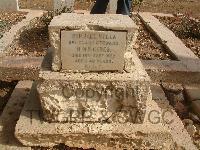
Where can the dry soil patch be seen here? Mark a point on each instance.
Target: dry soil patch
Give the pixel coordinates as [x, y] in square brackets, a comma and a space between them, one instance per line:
[187, 29]
[147, 46]
[8, 19]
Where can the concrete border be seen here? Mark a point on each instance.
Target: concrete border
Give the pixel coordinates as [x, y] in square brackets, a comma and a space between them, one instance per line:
[173, 44]
[9, 38]
[10, 115]
[27, 68]
[173, 71]
[19, 68]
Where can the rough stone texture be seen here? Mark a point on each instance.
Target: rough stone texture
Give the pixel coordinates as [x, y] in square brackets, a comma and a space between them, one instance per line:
[192, 92]
[186, 72]
[93, 50]
[10, 115]
[168, 38]
[34, 131]
[112, 6]
[135, 80]
[9, 5]
[99, 100]
[57, 6]
[9, 38]
[157, 70]
[97, 22]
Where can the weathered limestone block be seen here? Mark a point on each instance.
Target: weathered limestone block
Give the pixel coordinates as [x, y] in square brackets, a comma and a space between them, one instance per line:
[93, 93]
[57, 6]
[32, 130]
[87, 22]
[94, 101]
[9, 5]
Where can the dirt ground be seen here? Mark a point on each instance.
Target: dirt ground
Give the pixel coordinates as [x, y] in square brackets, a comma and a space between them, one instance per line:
[8, 19]
[146, 42]
[187, 29]
[190, 7]
[33, 42]
[177, 98]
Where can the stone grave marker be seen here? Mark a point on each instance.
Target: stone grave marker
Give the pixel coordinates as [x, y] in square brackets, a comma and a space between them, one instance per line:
[93, 50]
[100, 108]
[9, 5]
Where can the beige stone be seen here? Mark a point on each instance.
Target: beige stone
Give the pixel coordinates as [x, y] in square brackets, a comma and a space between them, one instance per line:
[87, 22]
[54, 87]
[9, 39]
[57, 6]
[93, 50]
[63, 100]
[34, 131]
[10, 115]
[9, 5]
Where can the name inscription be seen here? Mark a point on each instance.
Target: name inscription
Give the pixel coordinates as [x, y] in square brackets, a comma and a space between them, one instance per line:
[93, 50]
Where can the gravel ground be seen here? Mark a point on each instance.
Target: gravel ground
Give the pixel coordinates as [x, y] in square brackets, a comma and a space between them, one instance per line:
[8, 19]
[147, 47]
[187, 29]
[33, 42]
[171, 6]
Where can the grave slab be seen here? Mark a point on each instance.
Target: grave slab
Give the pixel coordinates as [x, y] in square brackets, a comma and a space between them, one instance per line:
[10, 115]
[173, 44]
[86, 22]
[107, 90]
[32, 130]
[9, 5]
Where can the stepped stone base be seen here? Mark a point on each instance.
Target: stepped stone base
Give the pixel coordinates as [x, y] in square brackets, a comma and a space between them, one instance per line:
[110, 92]
[32, 130]
[96, 99]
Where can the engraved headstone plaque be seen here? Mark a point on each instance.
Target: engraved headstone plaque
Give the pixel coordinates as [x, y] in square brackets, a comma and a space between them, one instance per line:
[93, 50]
